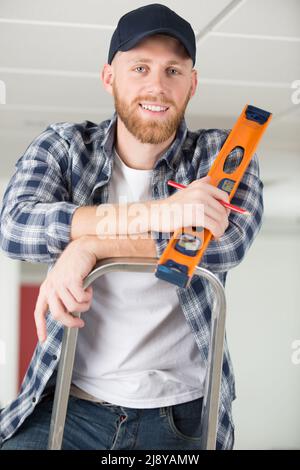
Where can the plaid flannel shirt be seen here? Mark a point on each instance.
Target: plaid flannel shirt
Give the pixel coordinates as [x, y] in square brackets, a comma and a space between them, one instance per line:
[68, 166]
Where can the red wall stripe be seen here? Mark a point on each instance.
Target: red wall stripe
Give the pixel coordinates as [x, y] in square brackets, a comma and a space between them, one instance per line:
[28, 336]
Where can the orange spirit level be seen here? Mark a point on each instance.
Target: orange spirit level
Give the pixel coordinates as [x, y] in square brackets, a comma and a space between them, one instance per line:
[187, 245]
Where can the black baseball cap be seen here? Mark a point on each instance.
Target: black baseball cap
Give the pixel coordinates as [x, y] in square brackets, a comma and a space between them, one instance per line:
[147, 21]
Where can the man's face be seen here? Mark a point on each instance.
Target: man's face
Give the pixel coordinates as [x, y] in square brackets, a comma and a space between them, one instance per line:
[156, 72]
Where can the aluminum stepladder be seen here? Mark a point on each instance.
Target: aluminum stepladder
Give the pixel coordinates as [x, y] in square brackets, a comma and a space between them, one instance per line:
[209, 416]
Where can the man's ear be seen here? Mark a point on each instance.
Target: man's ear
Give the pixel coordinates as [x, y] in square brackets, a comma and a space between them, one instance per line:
[194, 80]
[107, 78]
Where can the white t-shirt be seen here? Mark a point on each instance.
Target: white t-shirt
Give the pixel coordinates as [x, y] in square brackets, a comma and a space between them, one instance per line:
[136, 349]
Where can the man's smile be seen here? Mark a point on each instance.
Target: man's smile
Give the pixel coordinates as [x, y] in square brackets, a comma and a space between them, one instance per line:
[153, 109]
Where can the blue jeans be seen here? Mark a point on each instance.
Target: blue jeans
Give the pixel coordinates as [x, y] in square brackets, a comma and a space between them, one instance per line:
[104, 426]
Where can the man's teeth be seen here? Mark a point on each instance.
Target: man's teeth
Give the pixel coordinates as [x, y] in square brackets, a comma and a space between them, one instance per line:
[154, 108]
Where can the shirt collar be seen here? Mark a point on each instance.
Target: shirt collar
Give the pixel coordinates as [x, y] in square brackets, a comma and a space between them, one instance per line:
[171, 155]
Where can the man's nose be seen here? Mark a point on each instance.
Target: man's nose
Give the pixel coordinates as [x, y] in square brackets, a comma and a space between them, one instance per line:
[157, 83]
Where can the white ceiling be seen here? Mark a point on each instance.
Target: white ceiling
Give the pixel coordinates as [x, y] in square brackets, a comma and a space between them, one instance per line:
[248, 51]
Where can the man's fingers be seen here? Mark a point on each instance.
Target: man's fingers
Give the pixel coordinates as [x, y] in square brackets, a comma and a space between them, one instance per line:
[215, 217]
[80, 294]
[214, 226]
[40, 311]
[59, 313]
[71, 303]
[217, 206]
[218, 193]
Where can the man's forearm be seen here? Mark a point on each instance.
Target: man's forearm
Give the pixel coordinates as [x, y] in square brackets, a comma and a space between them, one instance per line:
[128, 247]
[84, 222]
[111, 219]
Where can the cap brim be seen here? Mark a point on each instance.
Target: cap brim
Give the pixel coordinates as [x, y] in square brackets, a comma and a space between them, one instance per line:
[133, 42]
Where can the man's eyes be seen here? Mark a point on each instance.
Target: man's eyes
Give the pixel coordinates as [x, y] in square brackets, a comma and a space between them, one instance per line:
[171, 69]
[136, 68]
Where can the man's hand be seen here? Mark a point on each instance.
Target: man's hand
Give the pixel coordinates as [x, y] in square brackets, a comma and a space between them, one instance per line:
[62, 291]
[201, 197]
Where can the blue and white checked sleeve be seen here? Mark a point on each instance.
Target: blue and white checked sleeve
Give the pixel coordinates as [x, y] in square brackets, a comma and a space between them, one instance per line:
[36, 210]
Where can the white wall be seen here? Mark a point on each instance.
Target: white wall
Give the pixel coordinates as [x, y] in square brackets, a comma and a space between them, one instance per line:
[9, 324]
[263, 321]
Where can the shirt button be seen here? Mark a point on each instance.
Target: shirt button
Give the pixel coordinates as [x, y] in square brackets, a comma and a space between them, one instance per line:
[33, 400]
[54, 357]
[155, 190]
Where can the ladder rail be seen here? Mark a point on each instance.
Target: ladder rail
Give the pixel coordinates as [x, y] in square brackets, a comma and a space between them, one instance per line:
[209, 416]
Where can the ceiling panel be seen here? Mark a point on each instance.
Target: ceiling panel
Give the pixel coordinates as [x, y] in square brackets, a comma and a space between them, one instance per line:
[244, 59]
[229, 100]
[46, 91]
[291, 114]
[41, 47]
[22, 121]
[267, 17]
[101, 12]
